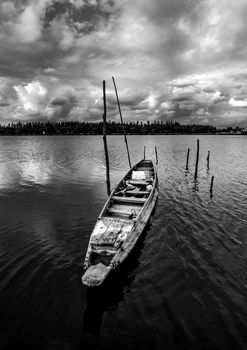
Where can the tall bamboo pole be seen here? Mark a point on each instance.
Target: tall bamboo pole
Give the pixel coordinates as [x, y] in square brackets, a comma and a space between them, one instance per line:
[121, 117]
[197, 160]
[187, 161]
[105, 145]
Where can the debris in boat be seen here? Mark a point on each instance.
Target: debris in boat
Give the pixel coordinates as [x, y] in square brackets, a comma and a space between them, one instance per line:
[138, 175]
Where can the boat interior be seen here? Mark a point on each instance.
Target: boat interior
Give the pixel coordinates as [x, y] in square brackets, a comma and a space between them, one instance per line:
[116, 223]
[132, 193]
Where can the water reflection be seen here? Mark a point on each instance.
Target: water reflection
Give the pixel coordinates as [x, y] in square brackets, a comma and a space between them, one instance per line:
[107, 296]
[195, 187]
[36, 171]
[7, 177]
[54, 189]
[42, 161]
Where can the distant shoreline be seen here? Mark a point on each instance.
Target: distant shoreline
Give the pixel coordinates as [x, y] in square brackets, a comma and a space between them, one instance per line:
[128, 134]
[115, 128]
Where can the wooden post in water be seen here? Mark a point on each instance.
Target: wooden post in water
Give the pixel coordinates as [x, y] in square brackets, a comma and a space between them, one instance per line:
[187, 161]
[156, 155]
[144, 153]
[105, 145]
[208, 157]
[121, 117]
[197, 160]
[211, 186]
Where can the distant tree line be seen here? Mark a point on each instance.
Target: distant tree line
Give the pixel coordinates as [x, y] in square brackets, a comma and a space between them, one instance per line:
[113, 128]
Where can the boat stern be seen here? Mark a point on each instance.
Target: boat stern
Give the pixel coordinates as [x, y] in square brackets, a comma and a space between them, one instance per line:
[95, 275]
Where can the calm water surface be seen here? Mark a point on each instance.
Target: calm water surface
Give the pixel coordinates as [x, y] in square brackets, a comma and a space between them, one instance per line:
[184, 286]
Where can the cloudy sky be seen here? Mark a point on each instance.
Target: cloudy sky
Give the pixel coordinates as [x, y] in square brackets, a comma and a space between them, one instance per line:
[183, 60]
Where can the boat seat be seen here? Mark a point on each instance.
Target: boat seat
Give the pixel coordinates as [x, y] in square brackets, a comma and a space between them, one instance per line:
[149, 169]
[130, 199]
[121, 212]
[137, 193]
[138, 182]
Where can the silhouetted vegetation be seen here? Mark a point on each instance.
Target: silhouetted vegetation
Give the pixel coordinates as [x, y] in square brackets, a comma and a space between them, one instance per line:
[113, 128]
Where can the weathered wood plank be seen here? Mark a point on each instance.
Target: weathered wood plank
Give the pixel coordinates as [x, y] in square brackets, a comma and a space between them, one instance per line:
[137, 193]
[120, 212]
[129, 199]
[138, 182]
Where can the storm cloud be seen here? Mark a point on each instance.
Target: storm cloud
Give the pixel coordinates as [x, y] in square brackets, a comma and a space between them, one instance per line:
[181, 60]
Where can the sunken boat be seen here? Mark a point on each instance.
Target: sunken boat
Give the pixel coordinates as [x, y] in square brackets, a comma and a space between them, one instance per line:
[121, 222]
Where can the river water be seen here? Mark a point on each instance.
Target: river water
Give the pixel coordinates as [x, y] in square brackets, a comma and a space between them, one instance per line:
[183, 287]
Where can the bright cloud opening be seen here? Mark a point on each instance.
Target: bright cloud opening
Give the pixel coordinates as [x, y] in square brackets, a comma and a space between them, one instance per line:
[31, 96]
[237, 103]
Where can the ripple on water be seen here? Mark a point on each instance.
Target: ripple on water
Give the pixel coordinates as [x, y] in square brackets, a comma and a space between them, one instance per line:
[185, 286]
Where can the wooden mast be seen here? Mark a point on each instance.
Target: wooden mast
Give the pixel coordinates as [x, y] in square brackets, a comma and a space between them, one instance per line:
[105, 145]
[121, 117]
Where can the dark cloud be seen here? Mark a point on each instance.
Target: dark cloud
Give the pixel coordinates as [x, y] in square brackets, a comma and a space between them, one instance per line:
[183, 97]
[161, 12]
[83, 19]
[180, 59]
[61, 106]
[59, 101]
[127, 98]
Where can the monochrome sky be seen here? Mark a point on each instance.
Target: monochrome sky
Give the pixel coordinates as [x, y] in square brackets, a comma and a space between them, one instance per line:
[181, 60]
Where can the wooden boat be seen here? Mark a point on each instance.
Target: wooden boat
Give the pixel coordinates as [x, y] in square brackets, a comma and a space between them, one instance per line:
[121, 222]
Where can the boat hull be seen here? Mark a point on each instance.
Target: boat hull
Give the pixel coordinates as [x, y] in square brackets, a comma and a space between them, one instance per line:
[125, 232]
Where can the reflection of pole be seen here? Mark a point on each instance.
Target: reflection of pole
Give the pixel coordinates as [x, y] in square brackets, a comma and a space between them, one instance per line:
[144, 153]
[197, 160]
[125, 138]
[187, 161]
[208, 156]
[105, 145]
[211, 186]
